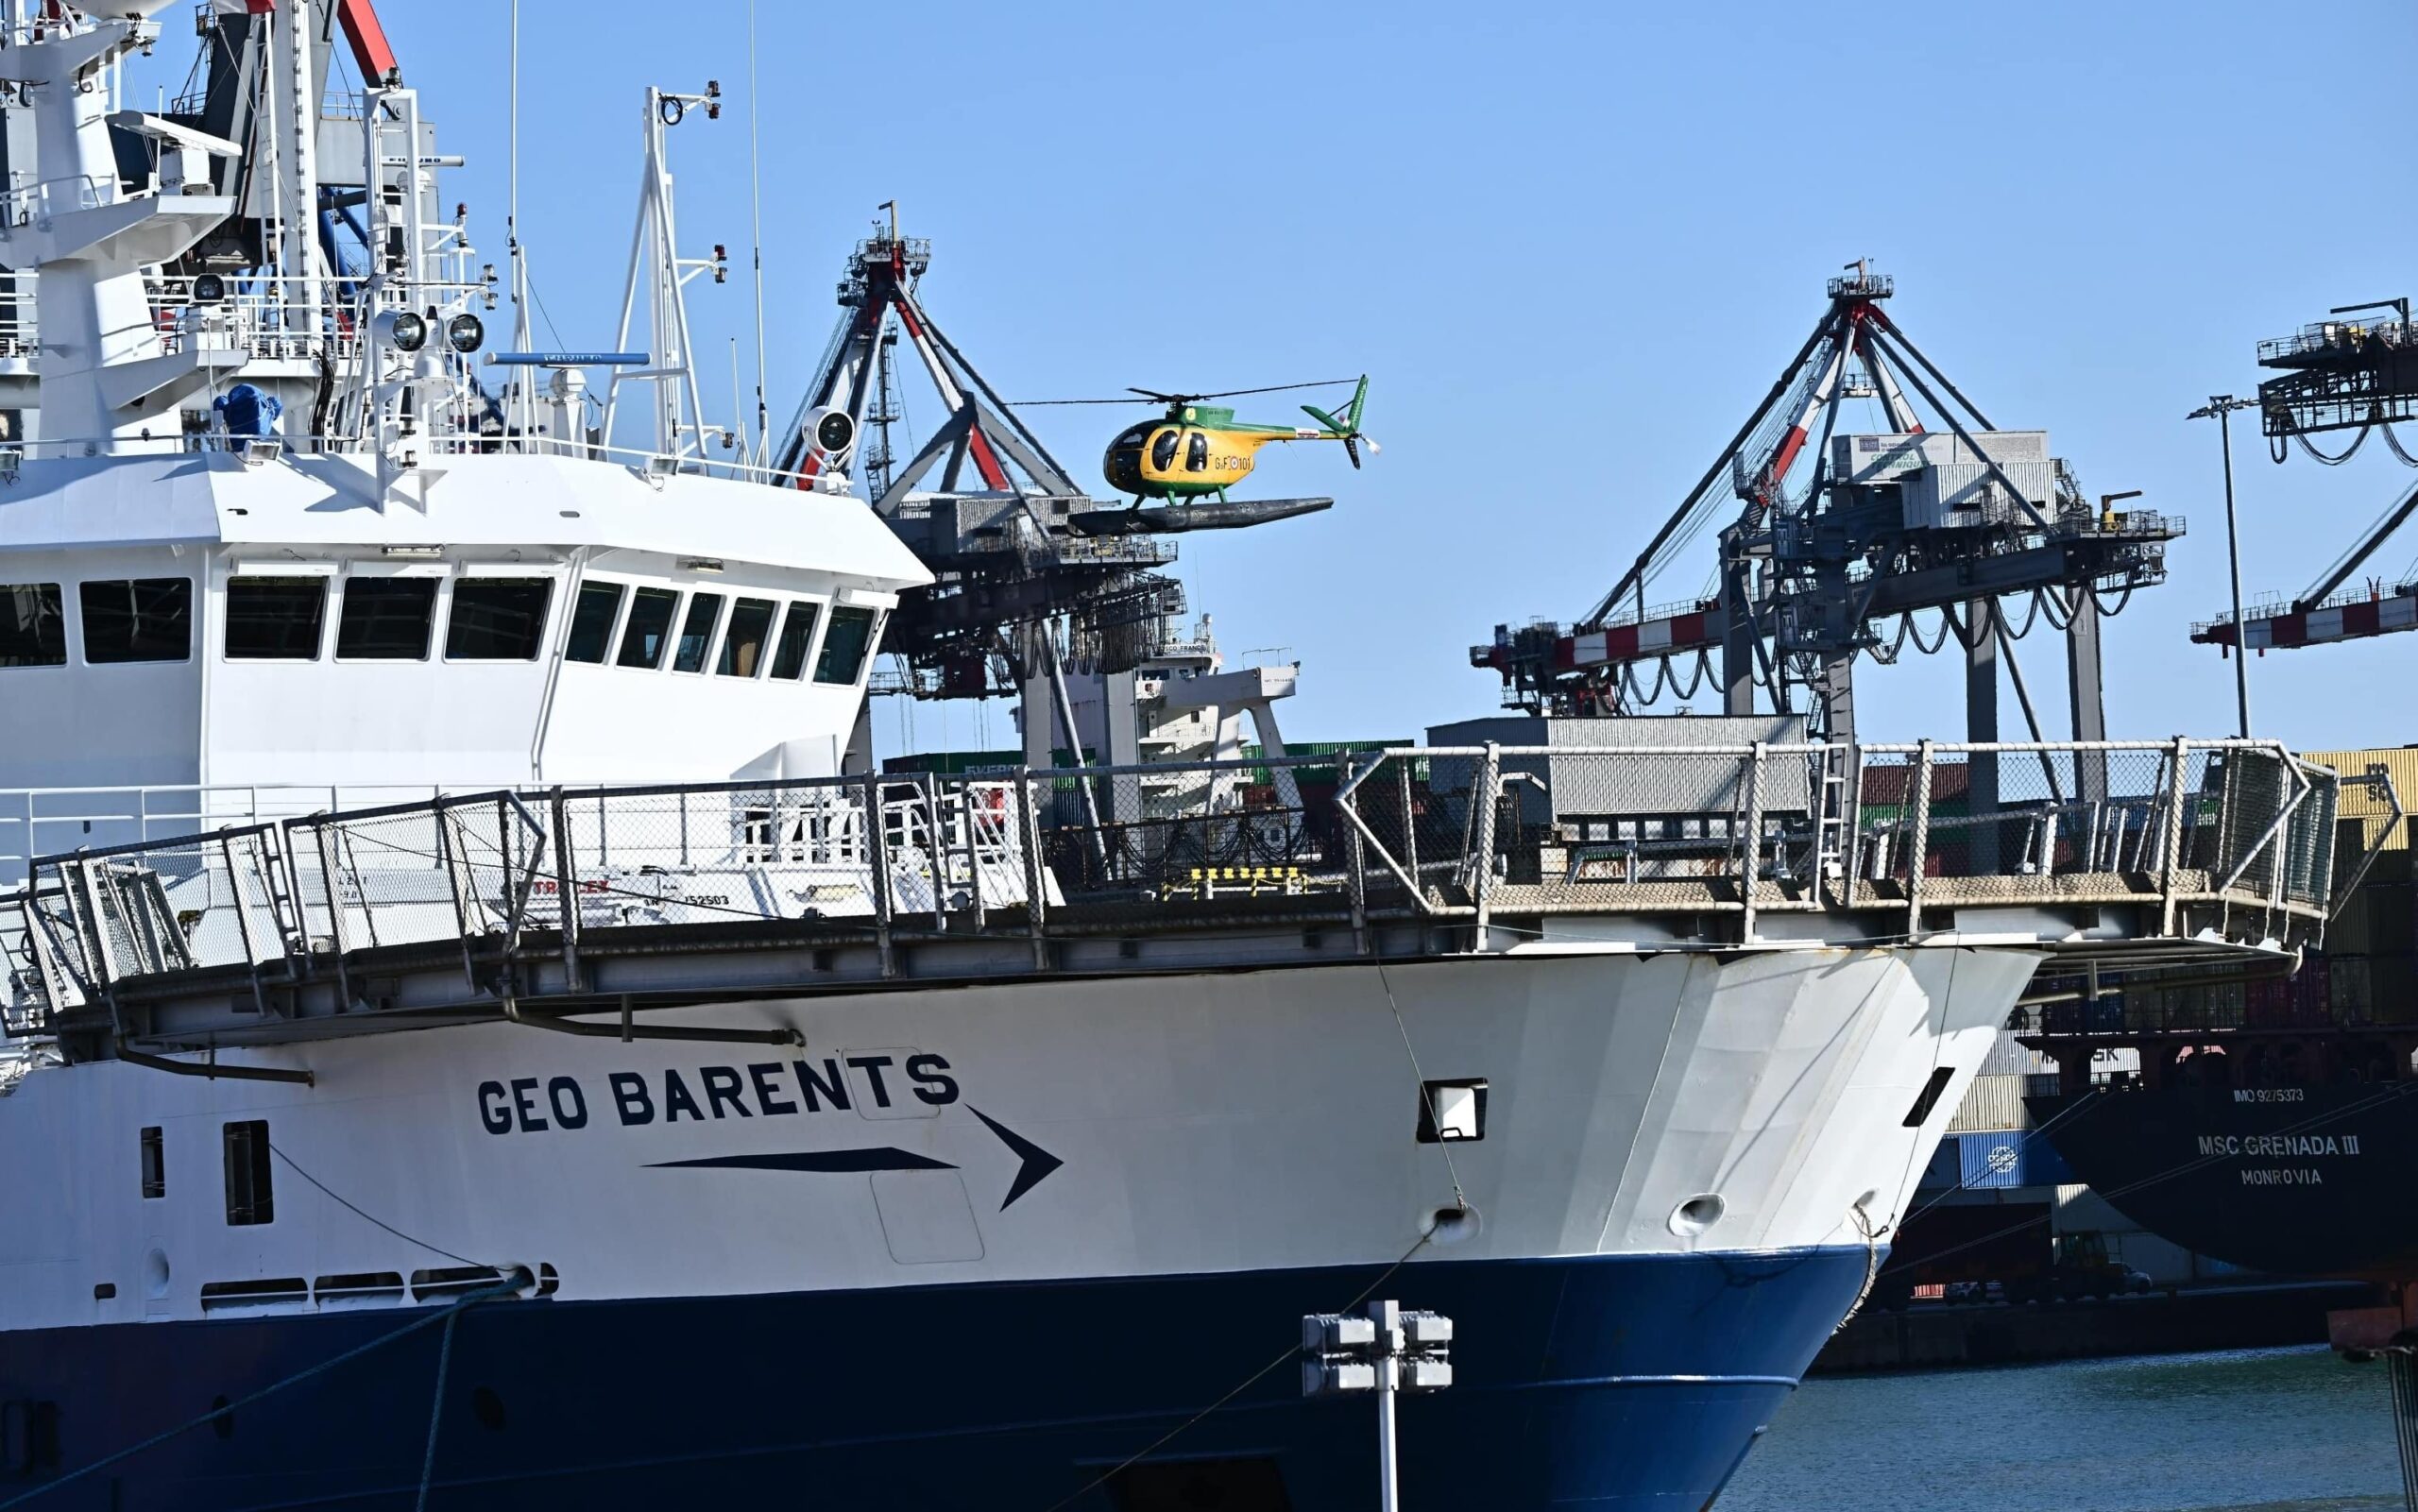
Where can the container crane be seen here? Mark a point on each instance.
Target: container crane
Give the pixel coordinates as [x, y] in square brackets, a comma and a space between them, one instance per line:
[2336, 375]
[1908, 521]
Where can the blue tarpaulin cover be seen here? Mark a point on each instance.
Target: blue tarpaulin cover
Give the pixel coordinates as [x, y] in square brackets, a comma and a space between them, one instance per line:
[249, 410]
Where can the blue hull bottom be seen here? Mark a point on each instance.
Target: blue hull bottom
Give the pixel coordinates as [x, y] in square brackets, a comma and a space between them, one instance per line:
[1599, 1383]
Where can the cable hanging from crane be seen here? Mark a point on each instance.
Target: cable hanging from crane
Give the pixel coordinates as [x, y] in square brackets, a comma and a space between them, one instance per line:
[1664, 679]
[2393, 441]
[2279, 447]
[2029, 619]
[1889, 658]
[2358, 440]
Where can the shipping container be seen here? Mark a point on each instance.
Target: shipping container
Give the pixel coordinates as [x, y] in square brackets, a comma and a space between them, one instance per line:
[1990, 1162]
[2267, 1001]
[2348, 933]
[2355, 801]
[2392, 989]
[2311, 992]
[2392, 909]
[1995, 1103]
[2011, 1057]
[2347, 993]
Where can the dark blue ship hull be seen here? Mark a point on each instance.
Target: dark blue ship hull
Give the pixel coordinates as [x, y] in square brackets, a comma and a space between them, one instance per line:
[1612, 1383]
[2309, 1181]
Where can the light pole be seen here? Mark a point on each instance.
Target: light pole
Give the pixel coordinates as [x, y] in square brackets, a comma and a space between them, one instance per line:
[1384, 1351]
[2221, 408]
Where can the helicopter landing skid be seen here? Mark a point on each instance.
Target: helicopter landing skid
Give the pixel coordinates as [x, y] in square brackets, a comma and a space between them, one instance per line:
[1176, 518]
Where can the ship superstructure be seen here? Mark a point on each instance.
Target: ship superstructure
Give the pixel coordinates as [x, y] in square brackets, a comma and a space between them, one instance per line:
[481, 1042]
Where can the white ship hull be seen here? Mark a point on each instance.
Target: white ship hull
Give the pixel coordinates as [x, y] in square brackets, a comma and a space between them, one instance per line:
[1252, 1132]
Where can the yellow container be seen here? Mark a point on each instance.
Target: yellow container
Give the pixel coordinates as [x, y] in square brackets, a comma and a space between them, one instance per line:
[2399, 761]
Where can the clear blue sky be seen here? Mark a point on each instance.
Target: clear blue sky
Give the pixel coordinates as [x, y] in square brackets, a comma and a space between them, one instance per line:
[1572, 244]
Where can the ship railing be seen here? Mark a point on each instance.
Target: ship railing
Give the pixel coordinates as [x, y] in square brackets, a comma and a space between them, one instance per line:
[1753, 830]
[22, 204]
[276, 318]
[456, 433]
[45, 821]
[273, 317]
[2226, 837]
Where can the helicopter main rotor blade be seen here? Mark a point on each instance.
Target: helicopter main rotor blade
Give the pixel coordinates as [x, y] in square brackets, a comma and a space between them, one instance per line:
[1272, 388]
[1025, 403]
[1151, 396]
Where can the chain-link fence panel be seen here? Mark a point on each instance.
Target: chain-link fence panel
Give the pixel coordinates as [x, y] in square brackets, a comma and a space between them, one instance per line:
[1189, 837]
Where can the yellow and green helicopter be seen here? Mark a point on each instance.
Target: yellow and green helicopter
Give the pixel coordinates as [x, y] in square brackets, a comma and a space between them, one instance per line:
[1198, 451]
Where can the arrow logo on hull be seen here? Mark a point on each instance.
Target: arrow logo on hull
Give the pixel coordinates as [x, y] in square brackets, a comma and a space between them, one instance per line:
[1037, 1163]
[884, 1158]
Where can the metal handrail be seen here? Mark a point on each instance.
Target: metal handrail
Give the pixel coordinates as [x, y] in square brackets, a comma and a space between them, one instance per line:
[907, 854]
[451, 445]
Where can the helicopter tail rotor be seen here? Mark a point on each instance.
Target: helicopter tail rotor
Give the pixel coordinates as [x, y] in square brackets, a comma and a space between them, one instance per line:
[1346, 427]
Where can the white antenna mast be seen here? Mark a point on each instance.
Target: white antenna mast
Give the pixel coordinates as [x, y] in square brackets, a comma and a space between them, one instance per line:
[756, 213]
[656, 265]
[524, 402]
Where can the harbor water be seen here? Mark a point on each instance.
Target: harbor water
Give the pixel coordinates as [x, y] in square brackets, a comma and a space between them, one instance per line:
[2244, 1431]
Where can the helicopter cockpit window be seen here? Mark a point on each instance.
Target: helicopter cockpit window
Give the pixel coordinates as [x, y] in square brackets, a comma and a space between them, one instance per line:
[1195, 453]
[1162, 450]
[1131, 437]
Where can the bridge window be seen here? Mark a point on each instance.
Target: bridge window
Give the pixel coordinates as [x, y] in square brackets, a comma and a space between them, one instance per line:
[1195, 453]
[743, 649]
[148, 618]
[498, 618]
[592, 622]
[697, 632]
[275, 619]
[248, 1197]
[33, 630]
[844, 646]
[386, 619]
[797, 636]
[649, 628]
[1162, 450]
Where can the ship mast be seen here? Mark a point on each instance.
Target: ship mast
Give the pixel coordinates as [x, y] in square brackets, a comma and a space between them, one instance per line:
[658, 274]
[109, 380]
